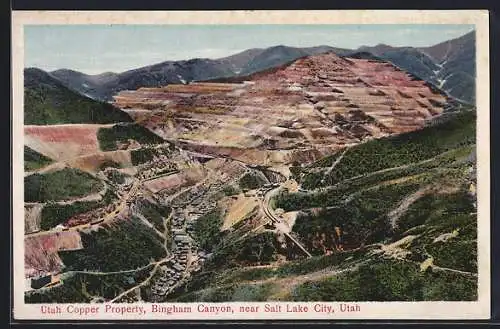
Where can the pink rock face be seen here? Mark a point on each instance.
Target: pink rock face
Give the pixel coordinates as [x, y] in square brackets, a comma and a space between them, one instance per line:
[166, 183]
[74, 133]
[41, 251]
[314, 105]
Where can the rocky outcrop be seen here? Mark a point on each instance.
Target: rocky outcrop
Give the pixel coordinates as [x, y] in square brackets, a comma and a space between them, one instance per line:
[32, 217]
[63, 142]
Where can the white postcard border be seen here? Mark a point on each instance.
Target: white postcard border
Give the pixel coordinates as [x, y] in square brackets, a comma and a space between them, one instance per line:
[369, 310]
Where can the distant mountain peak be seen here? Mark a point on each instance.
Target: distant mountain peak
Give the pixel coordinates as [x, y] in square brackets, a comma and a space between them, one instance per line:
[382, 45]
[419, 61]
[378, 49]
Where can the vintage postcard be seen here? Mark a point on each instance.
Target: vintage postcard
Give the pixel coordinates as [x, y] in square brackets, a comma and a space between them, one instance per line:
[252, 165]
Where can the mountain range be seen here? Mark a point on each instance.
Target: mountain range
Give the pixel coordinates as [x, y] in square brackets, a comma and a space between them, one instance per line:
[449, 65]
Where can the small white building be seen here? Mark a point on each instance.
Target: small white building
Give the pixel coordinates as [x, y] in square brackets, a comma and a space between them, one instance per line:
[60, 227]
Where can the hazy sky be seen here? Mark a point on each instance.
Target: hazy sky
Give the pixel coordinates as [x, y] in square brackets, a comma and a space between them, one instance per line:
[95, 49]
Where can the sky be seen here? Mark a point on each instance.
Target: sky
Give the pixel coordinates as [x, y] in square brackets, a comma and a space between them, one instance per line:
[95, 49]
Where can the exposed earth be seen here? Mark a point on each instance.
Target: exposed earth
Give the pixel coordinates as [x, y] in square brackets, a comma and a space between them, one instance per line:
[335, 176]
[299, 112]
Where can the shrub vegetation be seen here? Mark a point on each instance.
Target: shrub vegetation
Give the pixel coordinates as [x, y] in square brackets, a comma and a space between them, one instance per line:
[60, 185]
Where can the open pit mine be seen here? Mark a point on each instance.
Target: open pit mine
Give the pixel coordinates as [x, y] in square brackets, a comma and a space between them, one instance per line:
[297, 112]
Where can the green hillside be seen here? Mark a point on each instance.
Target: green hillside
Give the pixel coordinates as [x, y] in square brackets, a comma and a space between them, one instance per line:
[54, 214]
[375, 280]
[60, 185]
[34, 160]
[88, 287]
[114, 248]
[47, 101]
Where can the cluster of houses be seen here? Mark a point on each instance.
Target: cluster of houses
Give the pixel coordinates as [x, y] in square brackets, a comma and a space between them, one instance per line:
[187, 208]
[159, 165]
[169, 276]
[187, 258]
[184, 251]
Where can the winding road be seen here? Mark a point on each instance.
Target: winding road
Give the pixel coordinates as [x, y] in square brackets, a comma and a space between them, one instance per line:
[280, 226]
[123, 203]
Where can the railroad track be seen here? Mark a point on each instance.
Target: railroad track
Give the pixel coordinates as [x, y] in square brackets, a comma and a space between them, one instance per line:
[277, 222]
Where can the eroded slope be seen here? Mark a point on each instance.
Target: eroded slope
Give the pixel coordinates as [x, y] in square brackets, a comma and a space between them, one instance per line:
[298, 112]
